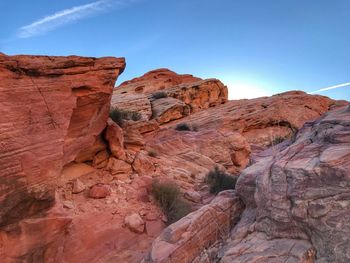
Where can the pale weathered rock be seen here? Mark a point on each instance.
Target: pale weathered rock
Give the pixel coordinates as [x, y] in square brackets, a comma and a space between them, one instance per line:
[78, 186]
[98, 191]
[184, 240]
[135, 223]
[74, 171]
[300, 196]
[258, 248]
[68, 205]
[193, 196]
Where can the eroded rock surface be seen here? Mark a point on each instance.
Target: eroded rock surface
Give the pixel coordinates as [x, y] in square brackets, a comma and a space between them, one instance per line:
[183, 240]
[51, 108]
[155, 80]
[60, 107]
[301, 196]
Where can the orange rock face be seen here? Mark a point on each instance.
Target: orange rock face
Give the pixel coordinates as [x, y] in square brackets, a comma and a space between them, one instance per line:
[155, 80]
[51, 108]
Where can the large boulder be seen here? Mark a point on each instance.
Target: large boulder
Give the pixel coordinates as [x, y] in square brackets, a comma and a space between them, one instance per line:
[201, 94]
[185, 239]
[302, 193]
[169, 109]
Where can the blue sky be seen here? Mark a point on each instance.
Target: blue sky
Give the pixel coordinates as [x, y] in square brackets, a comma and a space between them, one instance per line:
[256, 47]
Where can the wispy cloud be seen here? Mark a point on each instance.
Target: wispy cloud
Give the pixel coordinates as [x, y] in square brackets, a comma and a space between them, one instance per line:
[331, 87]
[51, 22]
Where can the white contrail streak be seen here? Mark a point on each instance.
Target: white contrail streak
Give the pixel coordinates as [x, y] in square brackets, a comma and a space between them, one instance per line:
[62, 17]
[332, 87]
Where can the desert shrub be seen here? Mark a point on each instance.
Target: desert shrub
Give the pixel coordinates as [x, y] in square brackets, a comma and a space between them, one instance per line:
[169, 198]
[152, 153]
[159, 95]
[135, 116]
[182, 127]
[219, 181]
[119, 115]
[276, 140]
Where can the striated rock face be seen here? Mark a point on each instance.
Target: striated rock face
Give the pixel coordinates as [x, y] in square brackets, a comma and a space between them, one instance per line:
[183, 240]
[178, 95]
[301, 196]
[169, 109]
[263, 120]
[51, 109]
[155, 80]
[201, 94]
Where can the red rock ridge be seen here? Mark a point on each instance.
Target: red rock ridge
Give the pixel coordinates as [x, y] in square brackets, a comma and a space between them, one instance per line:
[157, 80]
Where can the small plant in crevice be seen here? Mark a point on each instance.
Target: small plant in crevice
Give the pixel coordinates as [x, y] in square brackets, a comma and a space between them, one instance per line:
[119, 115]
[152, 153]
[169, 198]
[183, 127]
[219, 181]
[186, 127]
[159, 95]
[276, 140]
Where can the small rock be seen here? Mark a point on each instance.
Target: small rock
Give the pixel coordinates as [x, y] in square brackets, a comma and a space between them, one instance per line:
[193, 196]
[78, 186]
[98, 191]
[135, 223]
[164, 219]
[142, 195]
[68, 204]
[151, 216]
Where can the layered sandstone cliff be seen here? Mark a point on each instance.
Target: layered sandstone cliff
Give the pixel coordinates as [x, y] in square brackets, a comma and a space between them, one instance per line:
[51, 108]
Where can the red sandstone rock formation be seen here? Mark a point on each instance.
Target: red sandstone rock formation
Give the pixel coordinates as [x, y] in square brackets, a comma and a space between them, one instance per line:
[183, 240]
[51, 108]
[58, 110]
[155, 80]
[296, 205]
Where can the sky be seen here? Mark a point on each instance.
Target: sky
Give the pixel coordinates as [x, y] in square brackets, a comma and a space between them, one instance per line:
[256, 47]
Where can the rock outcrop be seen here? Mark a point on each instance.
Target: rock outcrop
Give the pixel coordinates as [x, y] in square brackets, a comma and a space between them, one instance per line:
[51, 108]
[296, 204]
[76, 186]
[164, 95]
[302, 192]
[155, 80]
[183, 240]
